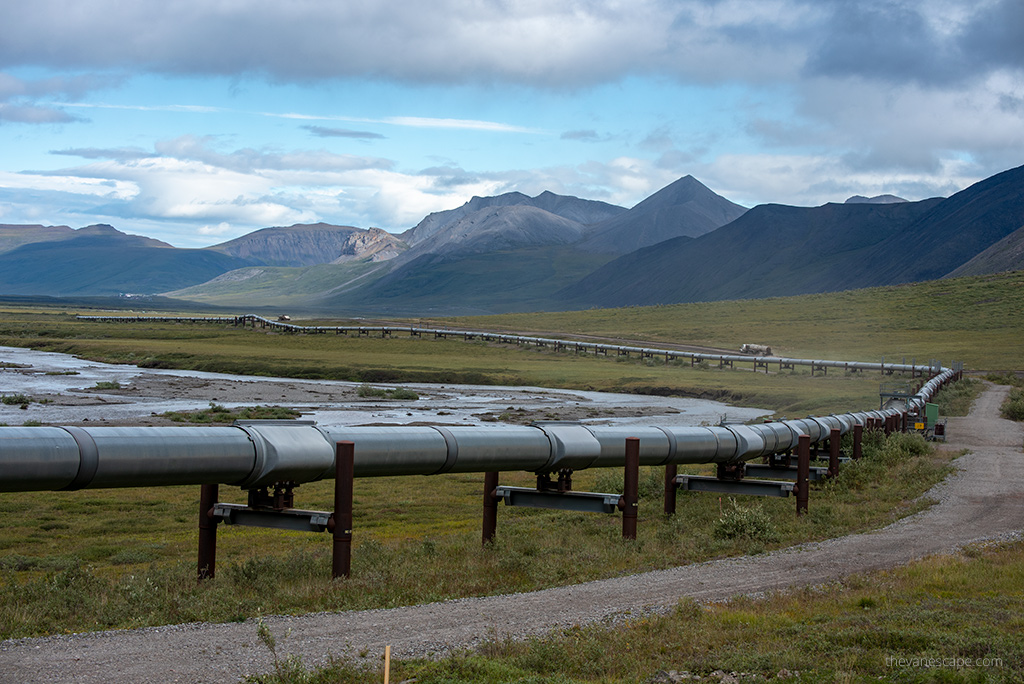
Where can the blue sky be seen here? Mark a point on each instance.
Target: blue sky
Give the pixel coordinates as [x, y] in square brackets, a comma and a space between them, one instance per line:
[198, 121]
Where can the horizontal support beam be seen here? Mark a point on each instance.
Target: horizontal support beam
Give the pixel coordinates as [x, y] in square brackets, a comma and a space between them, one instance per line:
[585, 502]
[700, 483]
[783, 473]
[286, 519]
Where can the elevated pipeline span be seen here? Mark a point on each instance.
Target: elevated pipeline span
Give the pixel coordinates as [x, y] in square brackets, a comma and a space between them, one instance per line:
[932, 368]
[259, 454]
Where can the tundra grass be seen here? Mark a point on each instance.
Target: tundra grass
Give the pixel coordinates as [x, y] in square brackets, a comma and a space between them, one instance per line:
[978, 320]
[78, 561]
[942, 619]
[209, 347]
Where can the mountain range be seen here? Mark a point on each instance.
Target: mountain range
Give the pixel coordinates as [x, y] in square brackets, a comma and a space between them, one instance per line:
[513, 252]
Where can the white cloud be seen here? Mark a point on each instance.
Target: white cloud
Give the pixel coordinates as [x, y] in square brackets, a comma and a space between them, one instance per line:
[805, 180]
[69, 183]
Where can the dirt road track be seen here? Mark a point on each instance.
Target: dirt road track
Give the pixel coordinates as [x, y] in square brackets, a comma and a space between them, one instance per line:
[984, 499]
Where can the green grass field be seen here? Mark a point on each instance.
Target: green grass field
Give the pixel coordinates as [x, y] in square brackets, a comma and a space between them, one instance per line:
[977, 320]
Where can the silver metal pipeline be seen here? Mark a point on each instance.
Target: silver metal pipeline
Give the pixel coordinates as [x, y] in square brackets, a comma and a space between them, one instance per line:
[256, 455]
[507, 338]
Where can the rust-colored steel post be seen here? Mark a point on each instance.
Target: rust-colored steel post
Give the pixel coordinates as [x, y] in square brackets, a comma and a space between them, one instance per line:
[833, 452]
[631, 488]
[344, 470]
[858, 436]
[671, 470]
[490, 507]
[803, 473]
[207, 532]
[904, 422]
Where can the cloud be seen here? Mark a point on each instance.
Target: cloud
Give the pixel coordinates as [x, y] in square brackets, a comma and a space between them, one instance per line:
[119, 153]
[583, 136]
[31, 114]
[247, 160]
[19, 97]
[448, 41]
[546, 45]
[322, 132]
[807, 180]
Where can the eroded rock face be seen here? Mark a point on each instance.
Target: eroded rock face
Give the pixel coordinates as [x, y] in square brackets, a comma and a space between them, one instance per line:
[373, 243]
[312, 244]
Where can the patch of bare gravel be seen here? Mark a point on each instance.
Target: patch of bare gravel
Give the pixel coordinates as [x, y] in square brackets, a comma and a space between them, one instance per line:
[984, 499]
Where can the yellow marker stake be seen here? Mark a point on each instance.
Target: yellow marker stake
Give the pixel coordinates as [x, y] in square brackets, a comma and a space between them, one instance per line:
[387, 664]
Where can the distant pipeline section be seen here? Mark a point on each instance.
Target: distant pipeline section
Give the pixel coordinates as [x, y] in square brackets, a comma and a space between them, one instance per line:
[597, 348]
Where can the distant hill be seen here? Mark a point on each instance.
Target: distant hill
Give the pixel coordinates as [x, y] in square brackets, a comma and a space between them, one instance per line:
[877, 199]
[104, 261]
[580, 211]
[311, 244]
[13, 236]
[684, 208]
[497, 228]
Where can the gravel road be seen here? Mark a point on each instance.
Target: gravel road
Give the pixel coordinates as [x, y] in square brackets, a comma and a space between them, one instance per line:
[983, 500]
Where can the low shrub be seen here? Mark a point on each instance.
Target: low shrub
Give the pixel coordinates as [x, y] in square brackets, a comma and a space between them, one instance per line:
[1013, 407]
[399, 393]
[746, 522]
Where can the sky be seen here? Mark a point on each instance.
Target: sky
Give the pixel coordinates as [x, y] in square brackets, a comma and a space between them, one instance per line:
[197, 121]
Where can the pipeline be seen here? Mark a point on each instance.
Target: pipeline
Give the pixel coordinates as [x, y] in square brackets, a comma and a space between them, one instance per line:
[253, 455]
[505, 338]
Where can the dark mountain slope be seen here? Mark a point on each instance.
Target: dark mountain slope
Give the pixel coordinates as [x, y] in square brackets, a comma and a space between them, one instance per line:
[1005, 255]
[772, 250]
[684, 208]
[480, 283]
[956, 230]
[107, 265]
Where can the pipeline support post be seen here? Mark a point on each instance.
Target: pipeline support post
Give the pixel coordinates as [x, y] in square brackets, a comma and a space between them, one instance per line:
[671, 470]
[833, 452]
[344, 470]
[490, 507]
[858, 437]
[207, 566]
[631, 488]
[803, 473]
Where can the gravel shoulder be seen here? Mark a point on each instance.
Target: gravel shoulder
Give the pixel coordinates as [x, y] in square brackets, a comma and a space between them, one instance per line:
[984, 499]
